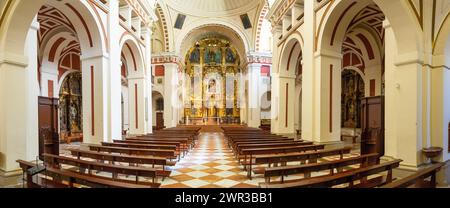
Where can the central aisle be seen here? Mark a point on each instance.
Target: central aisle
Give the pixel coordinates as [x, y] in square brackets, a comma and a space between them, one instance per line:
[210, 164]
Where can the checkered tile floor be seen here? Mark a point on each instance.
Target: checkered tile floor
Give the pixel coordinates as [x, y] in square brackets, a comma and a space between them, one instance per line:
[210, 164]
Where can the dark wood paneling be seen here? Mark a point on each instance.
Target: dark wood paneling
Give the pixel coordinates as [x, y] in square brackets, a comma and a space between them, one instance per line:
[48, 126]
[372, 87]
[372, 124]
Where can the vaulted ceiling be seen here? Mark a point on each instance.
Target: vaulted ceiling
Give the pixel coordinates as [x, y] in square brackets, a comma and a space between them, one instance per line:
[212, 7]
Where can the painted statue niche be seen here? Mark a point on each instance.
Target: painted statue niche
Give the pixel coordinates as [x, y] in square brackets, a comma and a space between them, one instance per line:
[212, 86]
[230, 56]
[195, 55]
[213, 55]
[353, 90]
[70, 107]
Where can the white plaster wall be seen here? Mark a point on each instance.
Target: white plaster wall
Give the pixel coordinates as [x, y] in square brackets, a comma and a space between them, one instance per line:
[126, 111]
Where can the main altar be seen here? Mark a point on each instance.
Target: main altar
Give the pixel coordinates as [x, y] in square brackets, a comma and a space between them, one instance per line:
[212, 83]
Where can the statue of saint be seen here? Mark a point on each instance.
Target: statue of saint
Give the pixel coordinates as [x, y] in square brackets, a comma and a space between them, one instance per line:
[230, 56]
[218, 57]
[212, 86]
[206, 56]
[195, 56]
[73, 113]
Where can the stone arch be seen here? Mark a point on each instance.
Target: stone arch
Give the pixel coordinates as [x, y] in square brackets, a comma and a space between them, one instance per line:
[182, 42]
[335, 23]
[133, 55]
[21, 13]
[352, 68]
[290, 55]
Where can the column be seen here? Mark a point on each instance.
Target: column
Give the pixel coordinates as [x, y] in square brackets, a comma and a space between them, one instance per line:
[19, 108]
[137, 104]
[95, 98]
[326, 102]
[404, 104]
[283, 95]
[170, 95]
[254, 99]
[321, 88]
[114, 82]
[147, 34]
[391, 145]
[277, 32]
[308, 75]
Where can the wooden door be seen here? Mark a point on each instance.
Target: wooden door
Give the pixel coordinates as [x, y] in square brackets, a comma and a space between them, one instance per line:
[48, 126]
[372, 125]
[159, 120]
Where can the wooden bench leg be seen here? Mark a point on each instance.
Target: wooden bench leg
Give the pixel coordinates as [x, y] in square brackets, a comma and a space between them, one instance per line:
[250, 168]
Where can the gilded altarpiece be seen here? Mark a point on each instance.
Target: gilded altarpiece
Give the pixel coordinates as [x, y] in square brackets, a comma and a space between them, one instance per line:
[212, 83]
[352, 93]
[70, 108]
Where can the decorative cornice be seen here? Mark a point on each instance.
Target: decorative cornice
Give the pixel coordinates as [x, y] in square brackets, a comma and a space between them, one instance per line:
[259, 58]
[166, 58]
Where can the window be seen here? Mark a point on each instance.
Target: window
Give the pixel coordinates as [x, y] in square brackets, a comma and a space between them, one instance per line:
[246, 21]
[180, 21]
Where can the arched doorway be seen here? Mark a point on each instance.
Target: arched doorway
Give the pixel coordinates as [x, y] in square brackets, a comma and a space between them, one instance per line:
[211, 83]
[266, 110]
[158, 110]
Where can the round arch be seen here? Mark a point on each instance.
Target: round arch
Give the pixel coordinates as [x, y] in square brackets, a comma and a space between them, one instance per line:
[335, 23]
[20, 14]
[189, 33]
[355, 69]
[133, 55]
[290, 55]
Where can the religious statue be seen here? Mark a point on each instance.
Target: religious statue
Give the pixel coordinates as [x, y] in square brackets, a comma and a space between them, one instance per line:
[195, 56]
[212, 86]
[218, 57]
[212, 56]
[206, 56]
[75, 86]
[230, 56]
[73, 113]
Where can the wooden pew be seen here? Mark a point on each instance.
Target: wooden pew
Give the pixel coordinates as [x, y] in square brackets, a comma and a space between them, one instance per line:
[310, 157]
[114, 158]
[184, 140]
[417, 180]
[185, 143]
[90, 166]
[235, 144]
[248, 153]
[306, 169]
[240, 147]
[73, 178]
[340, 178]
[179, 146]
[232, 143]
[142, 146]
[170, 154]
